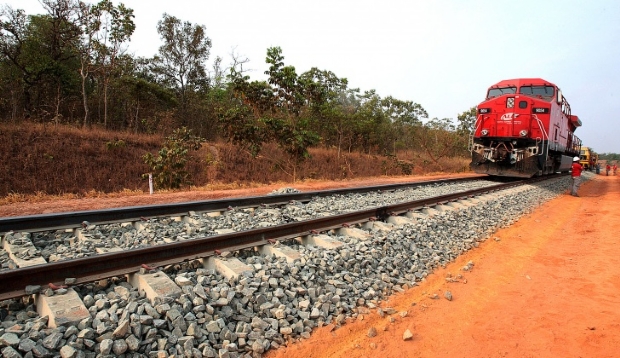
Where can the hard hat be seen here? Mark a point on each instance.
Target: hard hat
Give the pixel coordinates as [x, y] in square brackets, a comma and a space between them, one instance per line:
[576, 159]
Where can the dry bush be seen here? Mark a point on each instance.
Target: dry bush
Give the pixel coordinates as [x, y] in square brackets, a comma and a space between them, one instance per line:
[456, 164]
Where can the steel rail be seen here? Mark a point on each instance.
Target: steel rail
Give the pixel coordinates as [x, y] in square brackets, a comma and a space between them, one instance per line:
[44, 222]
[97, 267]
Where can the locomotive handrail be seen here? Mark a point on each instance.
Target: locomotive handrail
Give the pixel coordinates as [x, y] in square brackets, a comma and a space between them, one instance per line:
[542, 129]
[473, 134]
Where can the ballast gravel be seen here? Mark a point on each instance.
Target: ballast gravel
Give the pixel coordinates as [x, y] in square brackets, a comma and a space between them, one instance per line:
[95, 239]
[276, 304]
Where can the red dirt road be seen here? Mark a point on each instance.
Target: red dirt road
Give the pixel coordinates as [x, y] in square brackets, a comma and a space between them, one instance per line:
[549, 287]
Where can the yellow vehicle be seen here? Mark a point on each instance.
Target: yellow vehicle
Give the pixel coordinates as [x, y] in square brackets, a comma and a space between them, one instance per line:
[588, 158]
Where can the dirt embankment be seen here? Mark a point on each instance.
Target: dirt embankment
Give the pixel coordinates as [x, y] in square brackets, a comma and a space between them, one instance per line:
[61, 160]
[547, 287]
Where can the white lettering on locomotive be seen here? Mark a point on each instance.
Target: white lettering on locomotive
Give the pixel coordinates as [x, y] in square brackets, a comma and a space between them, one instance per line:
[507, 116]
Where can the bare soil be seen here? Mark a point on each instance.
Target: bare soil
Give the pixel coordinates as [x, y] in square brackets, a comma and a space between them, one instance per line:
[545, 287]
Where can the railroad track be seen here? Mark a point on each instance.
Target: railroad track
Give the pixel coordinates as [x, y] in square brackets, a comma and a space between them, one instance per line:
[242, 293]
[102, 266]
[33, 233]
[67, 220]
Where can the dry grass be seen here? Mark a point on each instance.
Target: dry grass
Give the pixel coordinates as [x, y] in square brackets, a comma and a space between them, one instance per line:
[13, 198]
[47, 162]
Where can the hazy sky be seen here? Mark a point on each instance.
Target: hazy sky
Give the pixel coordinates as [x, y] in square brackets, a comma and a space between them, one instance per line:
[442, 54]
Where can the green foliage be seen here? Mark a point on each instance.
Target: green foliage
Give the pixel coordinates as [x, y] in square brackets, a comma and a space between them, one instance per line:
[243, 129]
[287, 88]
[169, 166]
[467, 121]
[272, 111]
[609, 156]
[147, 101]
[41, 49]
[68, 65]
[294, 140]
[181, 60]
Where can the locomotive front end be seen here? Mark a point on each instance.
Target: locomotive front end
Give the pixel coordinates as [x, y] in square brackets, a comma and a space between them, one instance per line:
[510, 137]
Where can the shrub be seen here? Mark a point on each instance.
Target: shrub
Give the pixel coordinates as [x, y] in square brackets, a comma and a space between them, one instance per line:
[169, 166]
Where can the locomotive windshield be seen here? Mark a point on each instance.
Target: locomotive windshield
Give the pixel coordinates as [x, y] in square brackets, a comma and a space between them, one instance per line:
[495, 92]
[543, 91]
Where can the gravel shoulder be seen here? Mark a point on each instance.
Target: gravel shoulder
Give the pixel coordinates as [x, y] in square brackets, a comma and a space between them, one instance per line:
[545, 287]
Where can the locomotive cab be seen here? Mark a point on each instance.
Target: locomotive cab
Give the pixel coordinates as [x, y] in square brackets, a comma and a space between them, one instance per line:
[524, 128]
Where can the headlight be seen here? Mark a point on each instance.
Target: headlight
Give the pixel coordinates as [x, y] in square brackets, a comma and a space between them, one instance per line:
[523, 133]
[484, 132]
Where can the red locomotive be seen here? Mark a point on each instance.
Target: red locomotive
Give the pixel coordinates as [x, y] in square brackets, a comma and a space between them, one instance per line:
[524, 128]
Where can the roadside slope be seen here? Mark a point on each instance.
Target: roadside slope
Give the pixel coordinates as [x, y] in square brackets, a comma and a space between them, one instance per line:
[545, 287]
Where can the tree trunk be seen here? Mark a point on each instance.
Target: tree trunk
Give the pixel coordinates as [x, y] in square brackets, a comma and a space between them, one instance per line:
[58, 100]
[14, 105]
[105, 102]
[136, 120]
[27, 102]
[84, 95]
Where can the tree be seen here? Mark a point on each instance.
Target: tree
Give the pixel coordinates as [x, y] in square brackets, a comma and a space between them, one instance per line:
[272, 111]
[467, 121]
[404, 116]
[60, 37]
[243, 121]
[13, 37]
[439, 139]
[42, 49]
[115, 28]
[145, 101]
[181, 62]
[90, 24]
[372, 124]
[288, 128]
[288, 90]
[330, 112]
